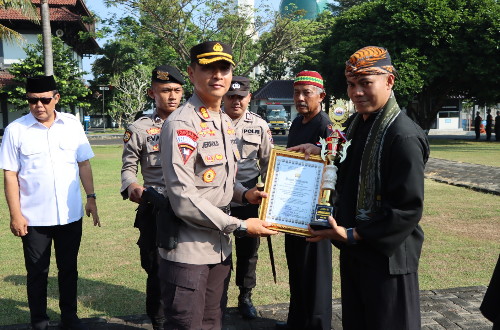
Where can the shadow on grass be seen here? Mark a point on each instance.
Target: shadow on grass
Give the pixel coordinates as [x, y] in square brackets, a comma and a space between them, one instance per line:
[107, 298]
[103, 298]
[16, 308]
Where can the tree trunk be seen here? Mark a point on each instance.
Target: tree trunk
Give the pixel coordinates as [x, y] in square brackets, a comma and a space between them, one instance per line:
[47, 39]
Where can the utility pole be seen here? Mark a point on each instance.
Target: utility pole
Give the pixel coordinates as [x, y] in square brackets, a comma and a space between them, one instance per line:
[47, 38]
[103, 88]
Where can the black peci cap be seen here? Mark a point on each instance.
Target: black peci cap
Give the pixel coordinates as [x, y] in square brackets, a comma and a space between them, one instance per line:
[239, 86]
[40, 84]
[167, 74]
[211, 51]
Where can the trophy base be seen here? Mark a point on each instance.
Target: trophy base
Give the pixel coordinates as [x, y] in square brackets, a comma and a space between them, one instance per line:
[322, 213]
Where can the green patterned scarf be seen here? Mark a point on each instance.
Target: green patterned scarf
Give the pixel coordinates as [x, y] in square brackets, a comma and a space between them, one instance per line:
[369, 190]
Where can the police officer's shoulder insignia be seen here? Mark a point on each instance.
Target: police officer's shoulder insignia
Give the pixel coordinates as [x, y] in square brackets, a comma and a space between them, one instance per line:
[153, 130]
[204, 112]
[209, 175]
[248, 116]
[186, 142]
[256, 115]
[157, 119]
[127, 136]
[230, 129]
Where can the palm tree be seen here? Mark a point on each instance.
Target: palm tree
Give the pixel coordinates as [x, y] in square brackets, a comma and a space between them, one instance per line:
[26, 7]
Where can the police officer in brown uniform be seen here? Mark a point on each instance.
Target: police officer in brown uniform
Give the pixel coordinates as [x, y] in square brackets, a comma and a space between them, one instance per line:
[254, 141]
[199, 157]
[141, 145]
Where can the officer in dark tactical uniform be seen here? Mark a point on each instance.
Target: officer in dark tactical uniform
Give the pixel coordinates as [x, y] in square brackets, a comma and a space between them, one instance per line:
[141, 145]
[254, 141]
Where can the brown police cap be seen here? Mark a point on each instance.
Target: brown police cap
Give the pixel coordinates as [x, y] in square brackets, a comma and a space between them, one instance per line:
[211, 51]
[239, 86]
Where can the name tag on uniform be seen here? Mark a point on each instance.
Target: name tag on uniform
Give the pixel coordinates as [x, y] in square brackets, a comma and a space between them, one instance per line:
[255, 131]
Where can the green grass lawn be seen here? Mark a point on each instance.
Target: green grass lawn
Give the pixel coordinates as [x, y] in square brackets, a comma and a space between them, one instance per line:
[468, 151]
[462, 244]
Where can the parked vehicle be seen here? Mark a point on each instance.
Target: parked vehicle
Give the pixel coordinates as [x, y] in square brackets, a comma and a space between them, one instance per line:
[276, 116]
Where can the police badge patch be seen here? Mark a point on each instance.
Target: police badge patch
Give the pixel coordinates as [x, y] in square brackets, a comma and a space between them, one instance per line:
[162, 75]
[127, 136]
[209, 176]
[186, 142]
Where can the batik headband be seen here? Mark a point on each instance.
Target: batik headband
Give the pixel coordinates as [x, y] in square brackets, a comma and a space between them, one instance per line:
[370, 60]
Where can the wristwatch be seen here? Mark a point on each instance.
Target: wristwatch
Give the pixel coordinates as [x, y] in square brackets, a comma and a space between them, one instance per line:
[241, 231]
[350, 236]
[91, 196]
[244, 200]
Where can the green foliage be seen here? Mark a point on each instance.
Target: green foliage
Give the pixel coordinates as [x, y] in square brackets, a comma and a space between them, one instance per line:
[182, 24]
[283, 64]
[130, 94]
[340, 6]
[442, 48]
[68, 77]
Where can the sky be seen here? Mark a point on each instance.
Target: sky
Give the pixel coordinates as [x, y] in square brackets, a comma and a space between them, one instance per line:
[97, 6]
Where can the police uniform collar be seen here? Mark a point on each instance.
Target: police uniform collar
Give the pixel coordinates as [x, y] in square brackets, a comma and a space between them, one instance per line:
[248, 116]
[156, 117]
[201, 109]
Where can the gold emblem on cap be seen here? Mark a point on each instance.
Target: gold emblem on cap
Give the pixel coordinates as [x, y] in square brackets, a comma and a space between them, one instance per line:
[162, 75]
[218, 47]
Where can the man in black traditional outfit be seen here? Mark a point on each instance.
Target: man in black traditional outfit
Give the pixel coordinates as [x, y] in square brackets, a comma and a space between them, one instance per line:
[380, 195]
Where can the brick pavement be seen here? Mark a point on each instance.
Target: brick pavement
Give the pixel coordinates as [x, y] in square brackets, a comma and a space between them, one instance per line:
[456, 308]
[478, 177]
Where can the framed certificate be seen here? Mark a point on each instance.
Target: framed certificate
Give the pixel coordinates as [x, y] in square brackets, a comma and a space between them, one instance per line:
[294, 188]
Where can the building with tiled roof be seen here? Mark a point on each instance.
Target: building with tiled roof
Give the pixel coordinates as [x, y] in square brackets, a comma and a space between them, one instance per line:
[67, 19]
[275, 92]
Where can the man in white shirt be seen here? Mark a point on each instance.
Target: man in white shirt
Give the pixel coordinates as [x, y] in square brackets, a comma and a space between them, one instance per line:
[43, 155]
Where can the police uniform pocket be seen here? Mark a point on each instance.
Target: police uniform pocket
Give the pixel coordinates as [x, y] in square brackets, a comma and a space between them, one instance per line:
[251, 145]
[153, 150]
[208, 171]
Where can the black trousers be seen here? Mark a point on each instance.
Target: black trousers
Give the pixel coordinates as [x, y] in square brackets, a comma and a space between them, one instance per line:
[246, 249]
[195, 296]
[146, 222]
[372, 299]
[310, 277]
[37, 249]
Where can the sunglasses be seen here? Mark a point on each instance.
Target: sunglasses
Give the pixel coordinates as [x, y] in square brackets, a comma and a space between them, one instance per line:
[34, 100]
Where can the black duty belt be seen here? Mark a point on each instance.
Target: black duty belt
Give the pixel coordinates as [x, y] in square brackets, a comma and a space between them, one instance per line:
[226, 209]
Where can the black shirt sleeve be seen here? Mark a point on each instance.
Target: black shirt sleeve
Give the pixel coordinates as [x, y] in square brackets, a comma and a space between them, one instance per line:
[403, 195]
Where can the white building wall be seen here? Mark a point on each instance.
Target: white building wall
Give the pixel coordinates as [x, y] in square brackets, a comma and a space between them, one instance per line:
[13, 52]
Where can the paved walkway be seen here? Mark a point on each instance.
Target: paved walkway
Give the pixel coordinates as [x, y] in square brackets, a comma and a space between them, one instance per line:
[478, 177]
[456, 308]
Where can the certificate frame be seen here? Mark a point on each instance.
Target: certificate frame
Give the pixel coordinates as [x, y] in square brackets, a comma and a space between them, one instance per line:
[294, 188]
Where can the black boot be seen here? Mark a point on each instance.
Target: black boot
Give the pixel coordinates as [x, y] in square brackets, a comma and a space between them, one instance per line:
[157, 323]
[245, 305]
